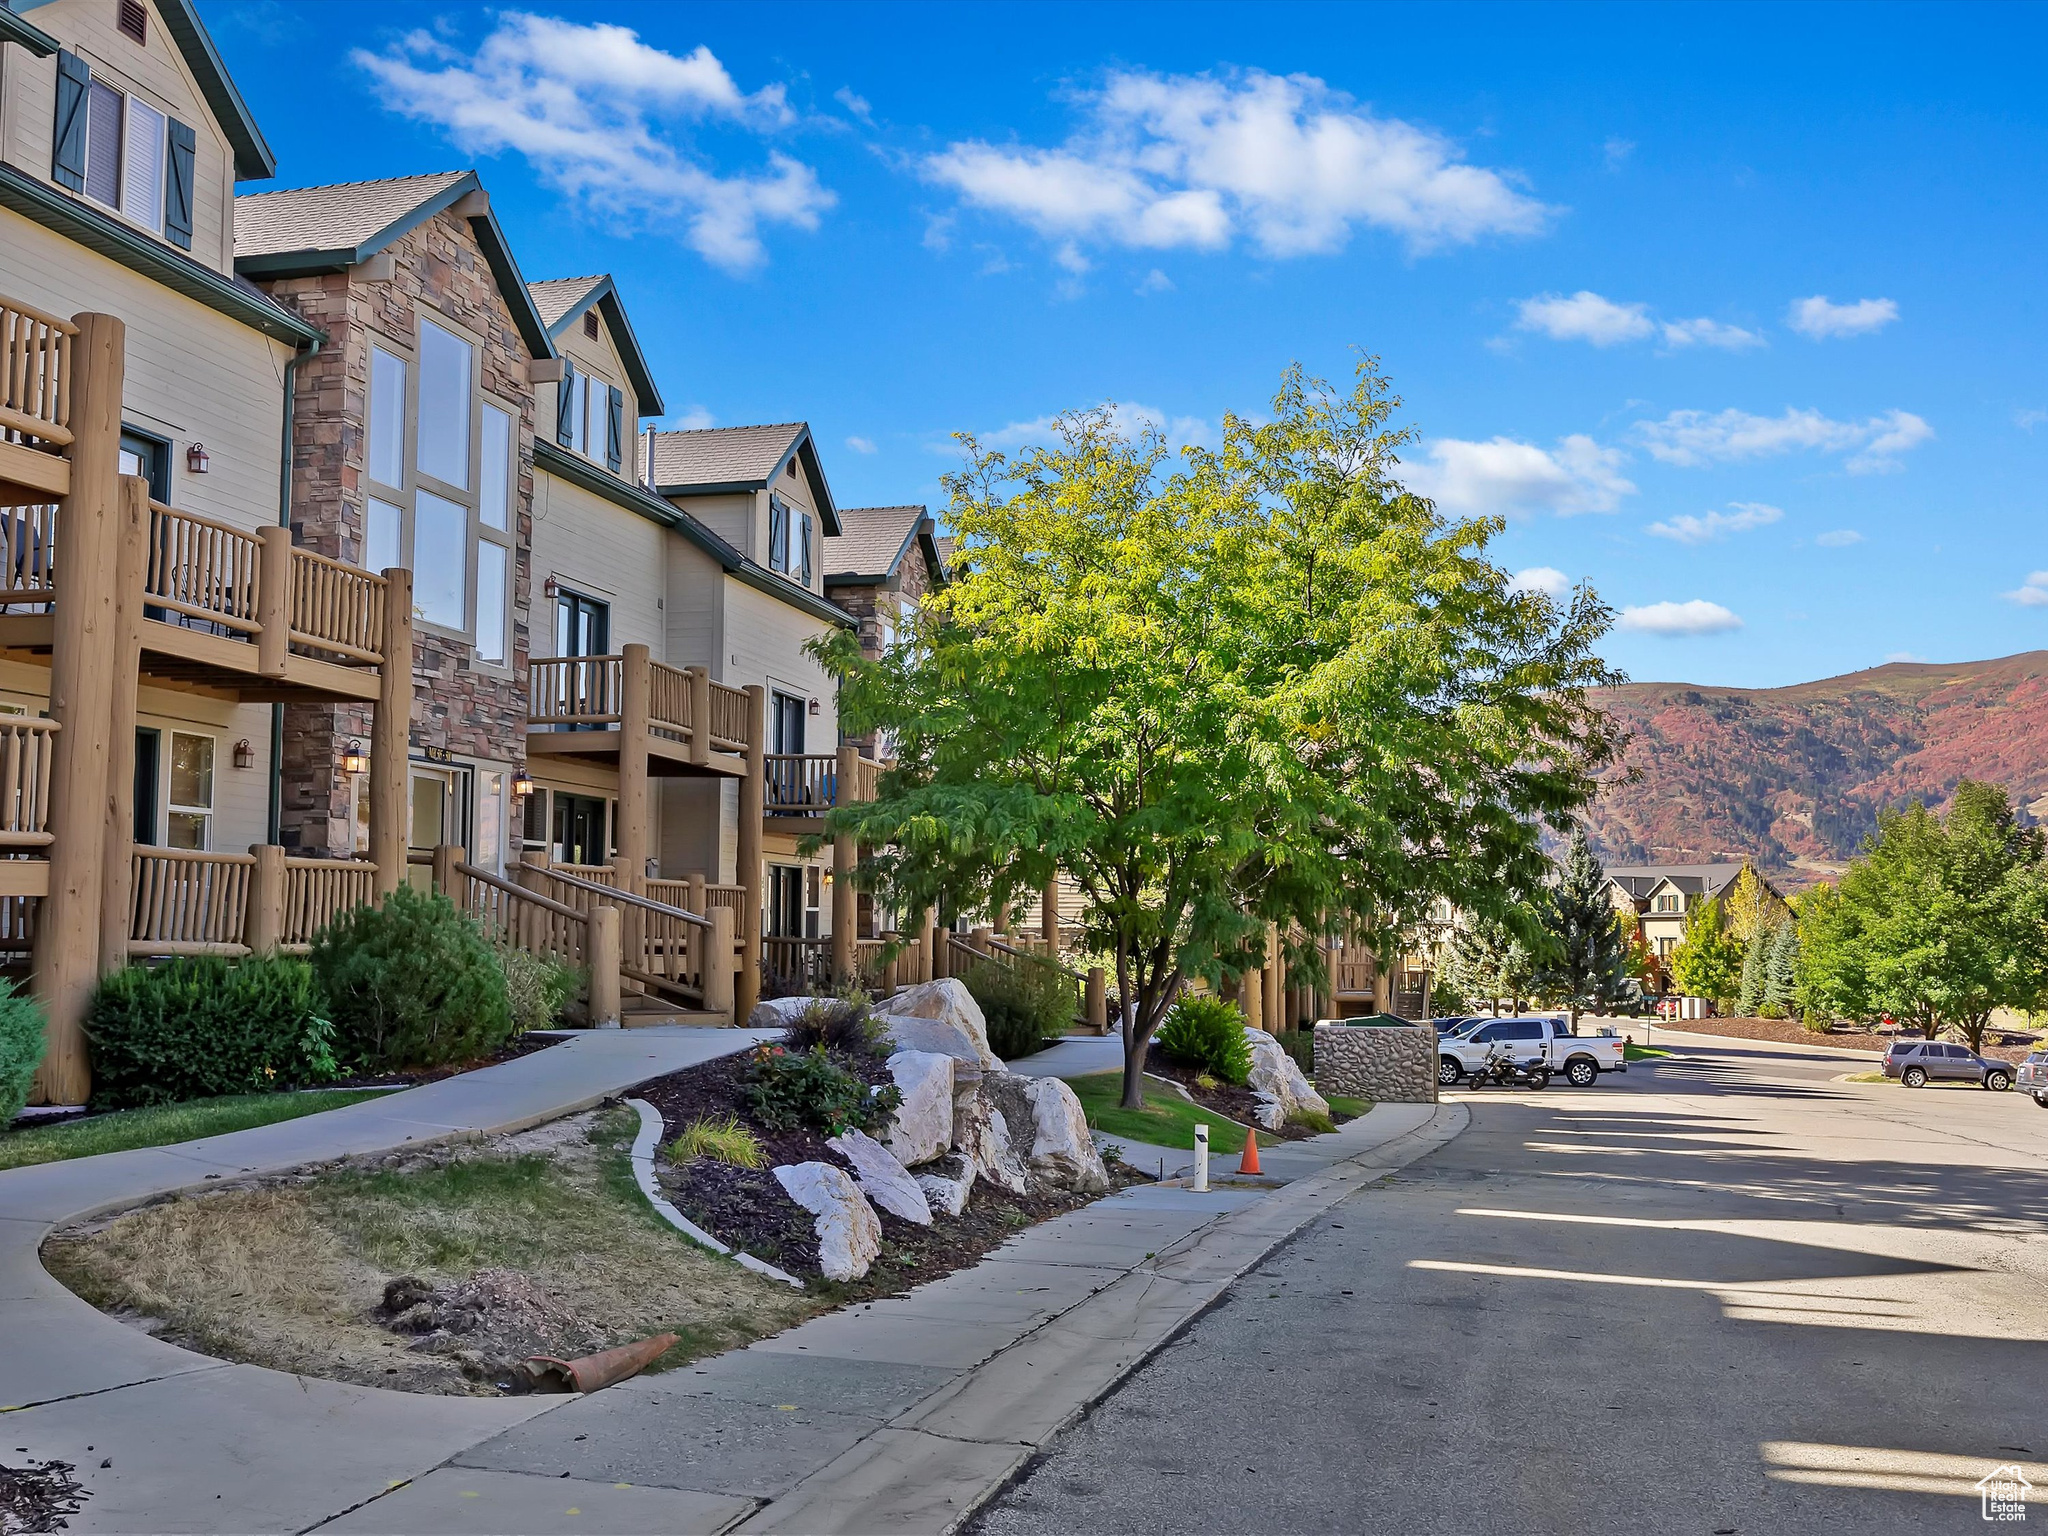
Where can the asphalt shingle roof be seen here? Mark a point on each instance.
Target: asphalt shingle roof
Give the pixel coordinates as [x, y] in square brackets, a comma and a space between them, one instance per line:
[722, 455]
[1694, 879]
[332, 218]
[559, 296]
[870, 540]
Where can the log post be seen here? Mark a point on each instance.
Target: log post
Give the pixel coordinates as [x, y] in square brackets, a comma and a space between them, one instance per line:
[980, 937]
[748, 874]
[1274, 983]
[1098, 1000]
[630, 837]
[892, 965]
[1049, 917]
[67, 952]
[274, 602]
[700, 713]
[446, 880]
[845, 905]
[923, 971]
[942, 953]
[693, 893]
[1252, 998]
[391, 734]
[605, 957]
[117, 880]
[263, 926]
[718, 966]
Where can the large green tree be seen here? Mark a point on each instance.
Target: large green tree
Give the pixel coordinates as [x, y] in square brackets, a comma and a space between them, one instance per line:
[1942, 920]
[1587, 963]
[1490, 962]
[1708, 960]
[1262, 684]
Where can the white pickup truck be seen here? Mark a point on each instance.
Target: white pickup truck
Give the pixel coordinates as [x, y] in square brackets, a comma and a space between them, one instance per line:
[1580, 1058]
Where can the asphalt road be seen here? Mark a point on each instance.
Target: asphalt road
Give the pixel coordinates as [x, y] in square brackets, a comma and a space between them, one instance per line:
[1724, 1293]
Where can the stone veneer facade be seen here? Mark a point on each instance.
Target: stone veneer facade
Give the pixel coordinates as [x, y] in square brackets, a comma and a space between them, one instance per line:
[459, 707]
[1389, 1064]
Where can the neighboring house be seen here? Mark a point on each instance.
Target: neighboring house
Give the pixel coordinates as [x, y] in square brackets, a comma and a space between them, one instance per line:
[879, 568]
[145, 435]
[1659, 896]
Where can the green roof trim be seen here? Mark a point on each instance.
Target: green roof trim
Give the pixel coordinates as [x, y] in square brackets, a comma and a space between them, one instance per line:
[605, 295]
[13, 29]
[96, 231]
[579, 471]
[490, 235]
[254, 160]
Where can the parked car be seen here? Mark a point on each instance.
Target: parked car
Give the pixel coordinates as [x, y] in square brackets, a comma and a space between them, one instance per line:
[2033, 1077]
[1916, 1063]
[1457, 1024]
[1580, 1058]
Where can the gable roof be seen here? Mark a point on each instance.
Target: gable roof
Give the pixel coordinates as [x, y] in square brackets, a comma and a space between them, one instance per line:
[1641, 880]
[253, 158]
[873, 542]
[715, 459]
[305, 230]
[561, 299]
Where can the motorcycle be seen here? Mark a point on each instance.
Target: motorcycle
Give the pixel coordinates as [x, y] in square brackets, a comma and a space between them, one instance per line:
[1501, 1070]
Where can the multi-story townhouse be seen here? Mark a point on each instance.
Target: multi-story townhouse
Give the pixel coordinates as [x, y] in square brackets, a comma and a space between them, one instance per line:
[154, 613]
[1655, 899]
[879, 567]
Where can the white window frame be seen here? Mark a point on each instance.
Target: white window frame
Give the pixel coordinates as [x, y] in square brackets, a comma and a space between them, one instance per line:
[173, 808]
[163, 155]
[405, 498]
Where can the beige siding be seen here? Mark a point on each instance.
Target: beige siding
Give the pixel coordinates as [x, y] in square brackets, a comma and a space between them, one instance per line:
[155, 72]
[764, 643]
[193, 375]
[731, 517]
[602, 550]
[694, 620]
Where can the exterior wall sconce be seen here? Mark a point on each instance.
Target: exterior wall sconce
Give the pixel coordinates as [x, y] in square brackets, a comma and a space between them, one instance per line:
[828, 879]
[245, 755]
[522, 784]
[353, 758]
[551, 587]
[816, 707]
[197, 458]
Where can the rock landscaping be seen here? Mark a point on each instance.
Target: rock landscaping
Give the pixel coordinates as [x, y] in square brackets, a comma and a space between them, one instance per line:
[1389, 1063]
[1276, 1096]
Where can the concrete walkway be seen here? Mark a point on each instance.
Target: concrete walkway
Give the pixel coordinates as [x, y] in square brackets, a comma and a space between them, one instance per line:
[198, 1445]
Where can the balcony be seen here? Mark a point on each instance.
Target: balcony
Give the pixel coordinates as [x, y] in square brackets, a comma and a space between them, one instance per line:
[35, 404]
[590, 707]
[802, 787]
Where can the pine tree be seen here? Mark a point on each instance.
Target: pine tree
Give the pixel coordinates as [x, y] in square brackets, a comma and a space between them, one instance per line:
[1488, 965]
[1781, 972]
[1588, 966]
[1755, 958]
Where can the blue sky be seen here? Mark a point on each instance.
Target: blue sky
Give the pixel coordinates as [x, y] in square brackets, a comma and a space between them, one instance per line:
[1736, 313]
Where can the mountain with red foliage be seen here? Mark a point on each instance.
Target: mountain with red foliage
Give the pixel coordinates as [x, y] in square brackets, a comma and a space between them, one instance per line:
[1793, 778]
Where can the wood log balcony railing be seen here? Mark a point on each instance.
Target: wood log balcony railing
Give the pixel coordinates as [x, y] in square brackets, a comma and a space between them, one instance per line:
[184, 902]
[25, 755]
[35, 387]
[589, 693]
[797, 965]
[663, 948]
[810, 783]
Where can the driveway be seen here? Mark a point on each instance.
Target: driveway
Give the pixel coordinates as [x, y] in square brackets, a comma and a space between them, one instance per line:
[1725, 1293]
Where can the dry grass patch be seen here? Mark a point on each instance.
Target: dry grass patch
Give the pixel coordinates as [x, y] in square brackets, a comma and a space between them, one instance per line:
[292, 1273]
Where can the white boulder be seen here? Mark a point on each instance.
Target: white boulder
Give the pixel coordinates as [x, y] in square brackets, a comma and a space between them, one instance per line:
[922, 1127]
[947, 1182]
[849, 1232]
[981, 1132]
[882, 1179]
[1062, 1150]
[907, 1033]
[779, 1012]
[1280, 1085]
[949, 1002]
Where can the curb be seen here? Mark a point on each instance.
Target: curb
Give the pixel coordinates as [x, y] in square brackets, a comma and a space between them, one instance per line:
[932, 1466]
[644, 1143]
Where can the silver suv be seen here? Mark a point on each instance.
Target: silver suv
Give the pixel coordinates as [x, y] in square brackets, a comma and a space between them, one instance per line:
[1916, 1063]
[2033, 1077]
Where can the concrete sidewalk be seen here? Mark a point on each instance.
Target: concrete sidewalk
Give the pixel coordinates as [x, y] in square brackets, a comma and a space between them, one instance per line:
[198, 1445]
[902, 1414]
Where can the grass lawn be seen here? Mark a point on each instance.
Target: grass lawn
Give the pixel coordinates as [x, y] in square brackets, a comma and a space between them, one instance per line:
[1167, 1120]
[1872, 1077]
[1349, 1108]
[162, 1124]
[1634, 1052]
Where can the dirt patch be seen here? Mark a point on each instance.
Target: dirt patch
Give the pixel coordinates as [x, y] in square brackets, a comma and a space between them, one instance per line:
[2002, 1045]
[532, 1244]
[37, 1497]
[1231, 1102]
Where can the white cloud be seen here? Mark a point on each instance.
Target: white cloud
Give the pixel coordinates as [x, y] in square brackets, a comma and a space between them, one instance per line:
[695, 419]
[1903, 656]
[2031, 593]
[1697, 617]
[1687, 529]
[604, 118]
[855, 103]
[1501, 477]
[1547, 579]
[1617, 152]
[1838, 538]
[1709, 333]
[1820, 319]
[861, 444]
[1155, 281]
[1591, 317]
[1133, 421]
[1694, 438]
[1585, 316]
[1168, 161]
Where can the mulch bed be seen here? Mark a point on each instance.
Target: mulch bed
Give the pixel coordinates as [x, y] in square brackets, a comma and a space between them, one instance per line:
[1233, 1103]
[2003, 1045]
[511, 1050]
[748, 1208]
[37, 1497]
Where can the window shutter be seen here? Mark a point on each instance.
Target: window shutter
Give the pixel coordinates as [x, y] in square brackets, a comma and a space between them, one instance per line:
[67, 155]
[614, 430]
[178, 191]
[565, 406]
[804, 565]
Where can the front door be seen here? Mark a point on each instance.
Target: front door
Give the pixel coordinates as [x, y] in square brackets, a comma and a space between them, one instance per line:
[785, 901]
[786, 724]
[440, 807]
[580, 830]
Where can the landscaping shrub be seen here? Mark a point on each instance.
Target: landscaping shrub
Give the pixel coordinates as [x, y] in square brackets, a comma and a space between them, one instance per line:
[1024, 1004]
[1309, 1120]
[537, 987]
[836, 1023]
[1207, 1032]
[21, 1049]
[788, 1089]
[719, 1137]
[196, 1028]
[411, 983]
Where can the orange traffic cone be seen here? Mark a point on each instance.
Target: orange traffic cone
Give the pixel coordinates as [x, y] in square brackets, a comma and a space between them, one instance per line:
[1249, 1163]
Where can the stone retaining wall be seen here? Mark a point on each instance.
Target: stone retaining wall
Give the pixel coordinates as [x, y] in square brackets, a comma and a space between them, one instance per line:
[1389, 1065]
